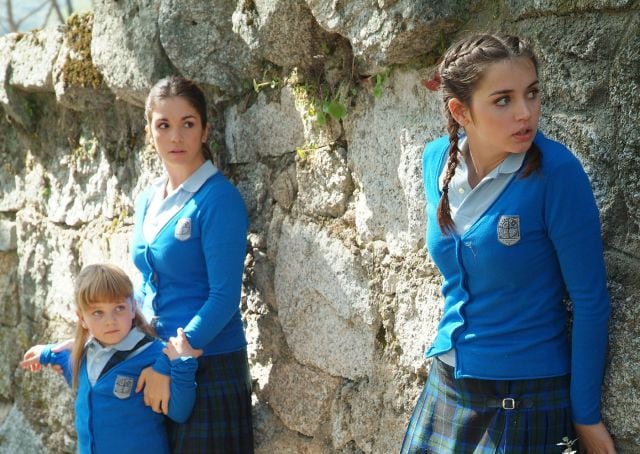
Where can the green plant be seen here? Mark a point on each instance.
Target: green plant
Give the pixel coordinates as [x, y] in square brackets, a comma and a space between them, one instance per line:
[568, 444]
[380, 79]
[273, 83]
[304, 151]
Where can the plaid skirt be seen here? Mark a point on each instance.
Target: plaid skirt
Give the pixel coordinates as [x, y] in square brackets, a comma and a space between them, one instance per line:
[489, 416]
[221, 420]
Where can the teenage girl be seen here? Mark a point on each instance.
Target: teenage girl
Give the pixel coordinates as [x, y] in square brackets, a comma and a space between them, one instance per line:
[512, 226]
[189, 243]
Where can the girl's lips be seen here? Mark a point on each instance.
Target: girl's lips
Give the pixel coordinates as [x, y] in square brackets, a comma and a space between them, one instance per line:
[524, 135]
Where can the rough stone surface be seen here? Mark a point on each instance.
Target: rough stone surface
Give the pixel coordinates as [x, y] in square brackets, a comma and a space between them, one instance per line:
[323, 302]
[76, 81]
[300, 396]
[7, 236]
[265, 129]
[32, 60]
[283, 32]
[324, 183]
[127, 32]
[201, 43]
[385, 152]
[340, 297]
[16, 436]
[519, 8]
[389, 32]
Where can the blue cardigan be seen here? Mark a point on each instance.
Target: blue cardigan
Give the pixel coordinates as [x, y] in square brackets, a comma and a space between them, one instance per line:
[505, 278]
[192, 270]
[111, 417]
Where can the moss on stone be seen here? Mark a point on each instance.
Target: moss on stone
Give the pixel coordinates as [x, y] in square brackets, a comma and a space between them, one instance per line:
[79, 69]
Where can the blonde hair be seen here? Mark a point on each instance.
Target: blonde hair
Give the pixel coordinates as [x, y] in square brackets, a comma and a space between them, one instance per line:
[100, 283]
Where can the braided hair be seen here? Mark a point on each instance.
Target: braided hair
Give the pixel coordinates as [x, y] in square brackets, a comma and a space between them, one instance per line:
[462, 67]
[177, 86]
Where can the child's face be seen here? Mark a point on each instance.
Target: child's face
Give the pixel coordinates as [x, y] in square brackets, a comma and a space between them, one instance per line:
[109, 321]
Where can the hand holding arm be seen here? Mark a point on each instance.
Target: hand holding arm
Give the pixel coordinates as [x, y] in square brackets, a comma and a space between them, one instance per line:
[179, 346]
[595, 439]
[156, 390]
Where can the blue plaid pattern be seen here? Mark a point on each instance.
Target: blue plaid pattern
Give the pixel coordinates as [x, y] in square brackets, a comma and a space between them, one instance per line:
[459, 416]
[221, 420]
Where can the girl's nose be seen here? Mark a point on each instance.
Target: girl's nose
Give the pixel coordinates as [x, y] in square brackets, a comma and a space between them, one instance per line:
[176, 136]
[524, 110]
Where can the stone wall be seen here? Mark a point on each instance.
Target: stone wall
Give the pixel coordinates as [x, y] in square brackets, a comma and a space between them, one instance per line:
[319, 117]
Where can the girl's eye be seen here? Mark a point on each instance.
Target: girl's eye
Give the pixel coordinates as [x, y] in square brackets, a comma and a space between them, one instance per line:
[96, 313]
[533, 94]
[162, 125]
[188, 124]
[502, 101]
[120, 308]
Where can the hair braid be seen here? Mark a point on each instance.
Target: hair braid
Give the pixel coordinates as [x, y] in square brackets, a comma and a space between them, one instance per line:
[444, 210]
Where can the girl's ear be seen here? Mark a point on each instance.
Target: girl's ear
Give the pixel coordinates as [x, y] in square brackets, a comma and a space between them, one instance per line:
[459, 111]
[205, 132]
[81, 320]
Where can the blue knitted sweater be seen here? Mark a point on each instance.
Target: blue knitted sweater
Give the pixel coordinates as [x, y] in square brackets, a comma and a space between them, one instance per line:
[505, 278]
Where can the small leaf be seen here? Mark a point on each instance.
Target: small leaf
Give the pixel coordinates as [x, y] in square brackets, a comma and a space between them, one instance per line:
[336, 110]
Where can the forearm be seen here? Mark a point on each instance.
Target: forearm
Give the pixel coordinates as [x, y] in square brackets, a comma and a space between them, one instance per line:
[183, 388]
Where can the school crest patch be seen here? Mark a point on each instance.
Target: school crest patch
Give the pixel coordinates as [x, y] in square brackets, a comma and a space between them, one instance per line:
[183, 229]
[123, 386]
[509, 230]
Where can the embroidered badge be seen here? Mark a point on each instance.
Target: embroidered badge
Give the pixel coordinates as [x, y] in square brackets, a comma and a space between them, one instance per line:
[509, 230]
[123, 386]
[183, 229]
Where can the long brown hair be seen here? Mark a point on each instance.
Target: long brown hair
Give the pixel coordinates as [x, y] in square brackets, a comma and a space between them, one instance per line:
[462, 68]
[100, 283]
[177, 86]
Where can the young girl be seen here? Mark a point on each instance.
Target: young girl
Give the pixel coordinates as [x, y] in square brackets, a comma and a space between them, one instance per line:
[512, 225]
[113, 344]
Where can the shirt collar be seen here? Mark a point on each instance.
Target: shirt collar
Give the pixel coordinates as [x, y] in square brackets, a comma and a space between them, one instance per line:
[194, 182]
[129, 341]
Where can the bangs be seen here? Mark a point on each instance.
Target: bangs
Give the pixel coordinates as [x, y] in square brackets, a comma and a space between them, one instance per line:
[102, 283]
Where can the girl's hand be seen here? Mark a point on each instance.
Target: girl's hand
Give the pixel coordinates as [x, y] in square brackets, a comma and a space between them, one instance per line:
[31, 359]
[179, 346]
[595, 439]
[156, 390]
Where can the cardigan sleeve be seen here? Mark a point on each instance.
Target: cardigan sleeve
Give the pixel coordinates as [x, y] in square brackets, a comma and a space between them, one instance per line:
[183, 388]
[62, 359]
[224, 244]
[573, 225]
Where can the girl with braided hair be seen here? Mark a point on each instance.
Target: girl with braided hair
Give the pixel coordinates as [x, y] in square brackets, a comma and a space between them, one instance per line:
[513, 227]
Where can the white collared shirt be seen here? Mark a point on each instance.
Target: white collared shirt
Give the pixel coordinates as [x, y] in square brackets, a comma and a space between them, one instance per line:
[467, 204]
[98, 356]
[161, 209]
